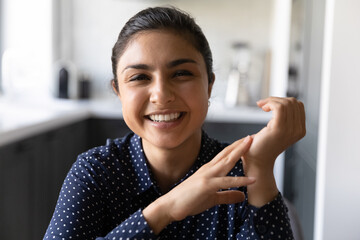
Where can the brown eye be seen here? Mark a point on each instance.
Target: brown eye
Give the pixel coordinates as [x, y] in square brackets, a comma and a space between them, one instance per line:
[140, 77]
[182, 73]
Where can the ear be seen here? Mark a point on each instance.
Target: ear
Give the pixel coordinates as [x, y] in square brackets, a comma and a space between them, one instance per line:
[211, 85]
[115, 88]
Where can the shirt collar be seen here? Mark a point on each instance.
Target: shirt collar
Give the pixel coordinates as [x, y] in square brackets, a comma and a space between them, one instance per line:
[145, 180]
[138, 160]
[208, 150]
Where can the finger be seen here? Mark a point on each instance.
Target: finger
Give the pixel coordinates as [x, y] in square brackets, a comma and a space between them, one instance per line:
[303, 116]
[293, 113]
[301, 120]
[231, 182]
[229, 149]
[262, 102]
[227, 161]
[279, 113]
[229, 197]
[240, 148]
[293, 117]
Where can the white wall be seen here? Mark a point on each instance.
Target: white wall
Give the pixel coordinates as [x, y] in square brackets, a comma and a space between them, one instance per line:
[338, 169]
[96, 24]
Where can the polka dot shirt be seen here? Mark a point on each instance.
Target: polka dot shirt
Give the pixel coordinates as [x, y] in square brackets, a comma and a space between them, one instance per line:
[107, 188]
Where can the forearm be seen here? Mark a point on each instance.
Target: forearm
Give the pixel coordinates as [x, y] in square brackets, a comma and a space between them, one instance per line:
[271, 221]
[285, 128]
[264, 189]
[134, 227]
[156, 215]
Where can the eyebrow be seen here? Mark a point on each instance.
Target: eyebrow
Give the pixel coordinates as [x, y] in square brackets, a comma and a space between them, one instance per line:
[137, 66]
[180, 61]
[169, 65]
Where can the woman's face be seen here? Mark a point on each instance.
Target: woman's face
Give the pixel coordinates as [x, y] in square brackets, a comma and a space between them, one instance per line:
[163, 87]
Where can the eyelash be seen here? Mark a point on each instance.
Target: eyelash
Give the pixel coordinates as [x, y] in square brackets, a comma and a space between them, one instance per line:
[180, 73]
[139, 77]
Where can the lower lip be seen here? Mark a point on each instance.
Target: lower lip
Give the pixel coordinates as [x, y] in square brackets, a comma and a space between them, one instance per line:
[167, 125]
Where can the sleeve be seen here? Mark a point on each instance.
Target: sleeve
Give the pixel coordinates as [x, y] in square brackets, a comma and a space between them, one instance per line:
[80, 212]
[134, 227]
[271, 221]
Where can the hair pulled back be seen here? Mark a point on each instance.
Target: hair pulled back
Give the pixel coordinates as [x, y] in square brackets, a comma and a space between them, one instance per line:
[158, 18]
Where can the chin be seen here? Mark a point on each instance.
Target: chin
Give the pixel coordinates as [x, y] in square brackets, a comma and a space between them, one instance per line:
[166, 142]
[172, 140]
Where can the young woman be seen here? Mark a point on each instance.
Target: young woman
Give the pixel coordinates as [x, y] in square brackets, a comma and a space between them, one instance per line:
[168, 179]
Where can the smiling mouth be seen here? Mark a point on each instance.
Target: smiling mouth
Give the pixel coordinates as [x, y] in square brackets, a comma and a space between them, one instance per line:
[165, 117]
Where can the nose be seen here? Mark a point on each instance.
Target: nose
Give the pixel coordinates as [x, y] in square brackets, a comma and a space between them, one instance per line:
[161, 92]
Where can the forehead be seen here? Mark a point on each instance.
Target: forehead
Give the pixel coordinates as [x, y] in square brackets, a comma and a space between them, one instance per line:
[156, 45]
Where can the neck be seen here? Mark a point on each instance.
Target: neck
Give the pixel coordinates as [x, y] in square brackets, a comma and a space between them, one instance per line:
[170, 165]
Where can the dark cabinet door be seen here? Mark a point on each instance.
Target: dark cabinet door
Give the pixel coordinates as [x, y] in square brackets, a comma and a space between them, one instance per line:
[31, 174]
[64, 145]
[20, 202]
[101, 129]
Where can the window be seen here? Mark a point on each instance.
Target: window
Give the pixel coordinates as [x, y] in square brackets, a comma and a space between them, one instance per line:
[26, 47]
[1, 38]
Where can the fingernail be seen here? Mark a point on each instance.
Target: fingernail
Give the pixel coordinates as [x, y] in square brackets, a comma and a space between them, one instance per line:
[251, 178]
[247, 139]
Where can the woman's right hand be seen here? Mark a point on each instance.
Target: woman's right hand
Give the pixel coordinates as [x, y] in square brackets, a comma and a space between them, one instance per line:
[201, 190]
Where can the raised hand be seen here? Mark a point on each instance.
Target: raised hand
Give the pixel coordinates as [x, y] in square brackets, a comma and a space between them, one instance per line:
[201, 190]
[285, 128]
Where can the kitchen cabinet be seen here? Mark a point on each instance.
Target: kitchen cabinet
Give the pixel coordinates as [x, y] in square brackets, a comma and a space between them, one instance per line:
[101, 129]
[15, 191]
[31, 174]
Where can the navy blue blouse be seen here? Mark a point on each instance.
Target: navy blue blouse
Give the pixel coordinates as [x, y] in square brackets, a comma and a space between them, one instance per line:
[107, 188]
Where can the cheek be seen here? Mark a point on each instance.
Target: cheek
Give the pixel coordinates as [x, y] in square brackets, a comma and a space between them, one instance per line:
[196, 95]
[132, 102]
[197, 90]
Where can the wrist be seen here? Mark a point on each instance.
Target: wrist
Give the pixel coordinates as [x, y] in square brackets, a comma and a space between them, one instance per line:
[156, 215]
[258, 165]
[264, 189]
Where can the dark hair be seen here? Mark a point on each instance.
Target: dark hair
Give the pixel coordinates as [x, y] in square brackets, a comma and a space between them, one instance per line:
[168, 18]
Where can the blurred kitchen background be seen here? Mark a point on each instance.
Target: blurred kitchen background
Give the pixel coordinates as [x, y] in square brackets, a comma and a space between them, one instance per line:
[56, 100]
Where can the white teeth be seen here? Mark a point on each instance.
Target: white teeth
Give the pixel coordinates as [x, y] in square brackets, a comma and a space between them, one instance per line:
[164, 117]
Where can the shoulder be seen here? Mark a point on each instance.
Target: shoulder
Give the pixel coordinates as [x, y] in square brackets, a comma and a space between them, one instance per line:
[110, 148]
[112, 155]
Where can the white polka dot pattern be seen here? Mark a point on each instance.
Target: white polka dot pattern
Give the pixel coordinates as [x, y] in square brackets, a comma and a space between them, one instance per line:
[107, 187]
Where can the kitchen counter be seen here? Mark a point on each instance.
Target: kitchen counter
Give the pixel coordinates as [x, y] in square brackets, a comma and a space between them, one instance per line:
[21, 118]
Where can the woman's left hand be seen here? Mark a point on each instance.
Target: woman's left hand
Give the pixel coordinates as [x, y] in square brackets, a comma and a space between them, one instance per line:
[286, 127]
